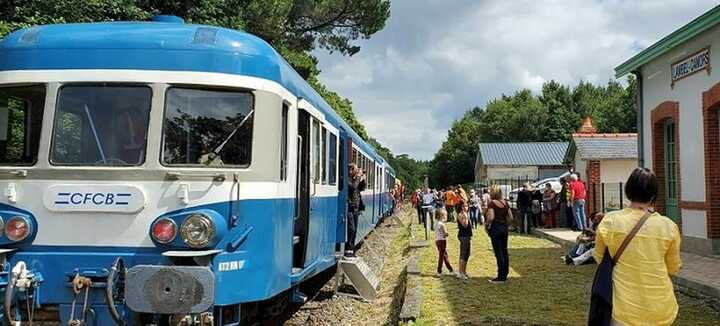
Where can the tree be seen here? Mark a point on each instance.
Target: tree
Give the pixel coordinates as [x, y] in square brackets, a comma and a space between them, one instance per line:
[293, 27]
[410, 171]
[523, 117]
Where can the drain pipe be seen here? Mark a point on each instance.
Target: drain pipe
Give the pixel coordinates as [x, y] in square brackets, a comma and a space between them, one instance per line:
[640, 111]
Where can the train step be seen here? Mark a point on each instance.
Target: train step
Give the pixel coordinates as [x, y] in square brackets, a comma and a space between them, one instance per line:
[361, 277]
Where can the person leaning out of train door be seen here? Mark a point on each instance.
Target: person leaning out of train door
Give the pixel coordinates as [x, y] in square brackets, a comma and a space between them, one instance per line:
[356, 185]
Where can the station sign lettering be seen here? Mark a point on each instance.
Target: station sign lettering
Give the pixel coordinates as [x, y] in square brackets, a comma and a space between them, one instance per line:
[689, 65]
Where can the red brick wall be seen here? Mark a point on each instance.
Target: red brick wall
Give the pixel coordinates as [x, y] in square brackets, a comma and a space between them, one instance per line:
[594, 195]
[665, 111]
[711, 130]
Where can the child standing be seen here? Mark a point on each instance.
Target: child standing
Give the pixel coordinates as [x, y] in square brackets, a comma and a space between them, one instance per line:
[465, 236]
[440, 242]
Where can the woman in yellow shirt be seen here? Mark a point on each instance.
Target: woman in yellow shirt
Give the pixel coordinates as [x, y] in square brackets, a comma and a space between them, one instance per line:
[642, 288]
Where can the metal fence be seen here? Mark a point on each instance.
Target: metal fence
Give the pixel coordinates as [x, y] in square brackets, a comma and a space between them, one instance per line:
[506, 185]
[606, 197]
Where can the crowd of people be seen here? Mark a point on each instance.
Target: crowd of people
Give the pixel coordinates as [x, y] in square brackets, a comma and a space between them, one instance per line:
[484, 208]
[546, 208]
[648, 242]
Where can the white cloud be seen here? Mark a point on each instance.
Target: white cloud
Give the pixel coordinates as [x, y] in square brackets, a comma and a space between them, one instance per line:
[436, 59]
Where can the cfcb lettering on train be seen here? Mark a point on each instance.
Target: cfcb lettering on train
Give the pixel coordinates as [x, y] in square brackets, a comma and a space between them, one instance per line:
[689, 65]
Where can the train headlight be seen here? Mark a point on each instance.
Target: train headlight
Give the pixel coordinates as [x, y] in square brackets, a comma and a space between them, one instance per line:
[17, 228]
[164, 230]
[197, 230]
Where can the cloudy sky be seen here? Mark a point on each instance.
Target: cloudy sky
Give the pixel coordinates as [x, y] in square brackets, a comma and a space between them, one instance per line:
[437, 58]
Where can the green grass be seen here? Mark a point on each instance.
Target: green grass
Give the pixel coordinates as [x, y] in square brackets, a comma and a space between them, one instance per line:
[542, 290]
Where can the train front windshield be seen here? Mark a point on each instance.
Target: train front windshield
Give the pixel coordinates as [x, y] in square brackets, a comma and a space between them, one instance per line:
[101, 125]
[207, 128]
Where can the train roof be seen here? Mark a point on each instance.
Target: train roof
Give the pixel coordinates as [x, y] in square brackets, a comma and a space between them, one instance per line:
[169, 45]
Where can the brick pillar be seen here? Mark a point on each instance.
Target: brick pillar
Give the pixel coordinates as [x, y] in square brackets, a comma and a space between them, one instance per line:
[665, 111]
[711, 124]
[593, 183]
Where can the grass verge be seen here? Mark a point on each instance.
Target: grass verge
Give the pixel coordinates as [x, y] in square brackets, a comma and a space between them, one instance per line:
[542, 290]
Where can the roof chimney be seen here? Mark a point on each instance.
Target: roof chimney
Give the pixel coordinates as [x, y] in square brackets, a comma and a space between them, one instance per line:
[587, 126]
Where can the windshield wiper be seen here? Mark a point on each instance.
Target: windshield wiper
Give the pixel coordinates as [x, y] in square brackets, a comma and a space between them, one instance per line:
[220, 147]
[97, 138]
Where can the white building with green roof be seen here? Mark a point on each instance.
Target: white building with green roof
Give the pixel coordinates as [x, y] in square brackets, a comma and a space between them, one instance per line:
[679, 129]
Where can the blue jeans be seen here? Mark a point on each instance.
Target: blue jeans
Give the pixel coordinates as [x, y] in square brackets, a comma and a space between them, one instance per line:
[428, 216]
[579, 208]
[474, 216]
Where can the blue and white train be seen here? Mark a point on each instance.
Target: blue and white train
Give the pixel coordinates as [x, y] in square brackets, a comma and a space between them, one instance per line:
[161, 171]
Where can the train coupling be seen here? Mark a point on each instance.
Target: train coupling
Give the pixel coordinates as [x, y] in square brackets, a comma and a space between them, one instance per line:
[20, 284]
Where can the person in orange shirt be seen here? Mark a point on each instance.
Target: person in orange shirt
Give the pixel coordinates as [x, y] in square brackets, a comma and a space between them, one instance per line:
[450, 201]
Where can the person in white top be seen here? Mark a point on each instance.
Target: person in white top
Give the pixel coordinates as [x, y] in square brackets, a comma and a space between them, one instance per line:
[428, 198]
[440, 242]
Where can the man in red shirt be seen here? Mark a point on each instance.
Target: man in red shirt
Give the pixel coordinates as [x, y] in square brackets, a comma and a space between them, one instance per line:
[577, 196]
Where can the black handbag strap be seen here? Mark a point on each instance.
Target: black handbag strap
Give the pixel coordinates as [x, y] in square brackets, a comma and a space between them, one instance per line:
[630, 236]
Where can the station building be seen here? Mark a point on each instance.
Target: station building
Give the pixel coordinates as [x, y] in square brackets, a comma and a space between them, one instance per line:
[678, 126]
[605, 160]
[527, 161]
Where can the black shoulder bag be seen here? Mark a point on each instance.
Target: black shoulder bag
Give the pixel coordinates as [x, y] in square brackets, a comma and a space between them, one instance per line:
[602, 289]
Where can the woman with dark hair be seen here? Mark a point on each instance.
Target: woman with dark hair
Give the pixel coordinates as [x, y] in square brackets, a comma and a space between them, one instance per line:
[499, 216]
[642, 288]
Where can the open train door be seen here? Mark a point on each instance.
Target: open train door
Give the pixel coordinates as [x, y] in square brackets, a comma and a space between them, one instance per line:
[302, 192]
[343, 159]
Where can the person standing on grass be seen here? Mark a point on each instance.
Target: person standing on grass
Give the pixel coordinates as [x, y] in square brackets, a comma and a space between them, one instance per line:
[566, 215]
[428, 199]
[642, 289]
[536, 199]
[499, 216]
[461, 198]
[577, 193]
[484, 202]
[440, 240]
[549, 206]
[523, 206]
[474, 208]
[450, 202]
[465, 236]
[415, 199]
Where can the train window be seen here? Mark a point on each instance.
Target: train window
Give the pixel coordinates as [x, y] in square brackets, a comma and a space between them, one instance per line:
[21, 113]
[332, 159]
[207, 128]
[324, 155]
[316, 151]
[284, 142]
[101, 125]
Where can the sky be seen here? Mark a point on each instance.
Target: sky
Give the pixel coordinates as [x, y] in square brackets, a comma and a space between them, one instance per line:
[435, 59]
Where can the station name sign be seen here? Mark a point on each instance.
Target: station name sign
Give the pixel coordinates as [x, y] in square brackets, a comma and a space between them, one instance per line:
[689, 65]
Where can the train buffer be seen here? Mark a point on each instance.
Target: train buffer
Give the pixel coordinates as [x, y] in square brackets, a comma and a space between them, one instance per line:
[361, 277]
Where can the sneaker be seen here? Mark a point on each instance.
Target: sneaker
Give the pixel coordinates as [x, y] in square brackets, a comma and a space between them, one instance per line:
[465, 277]
[438, 274]
[568, 260]
[459, 275]
[497, 281]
